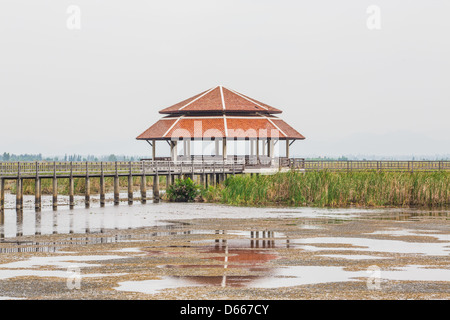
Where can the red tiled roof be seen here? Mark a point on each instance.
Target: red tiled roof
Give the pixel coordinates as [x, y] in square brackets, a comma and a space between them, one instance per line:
[220, 113]
[219, 99]
[240, 127]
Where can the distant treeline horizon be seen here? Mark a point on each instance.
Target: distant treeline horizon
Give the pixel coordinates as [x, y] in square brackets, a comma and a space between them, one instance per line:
[116, 157]
[72, 157]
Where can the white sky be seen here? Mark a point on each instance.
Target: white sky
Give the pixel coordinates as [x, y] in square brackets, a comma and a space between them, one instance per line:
[348, 89]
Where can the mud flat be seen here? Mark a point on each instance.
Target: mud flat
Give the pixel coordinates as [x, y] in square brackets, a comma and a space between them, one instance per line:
[277, 254]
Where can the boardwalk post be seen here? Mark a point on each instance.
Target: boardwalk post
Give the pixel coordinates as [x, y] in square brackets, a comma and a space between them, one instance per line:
[71, 188]
[19, 194]
[102, 186]
[2, 196]
[181, 170]
[37, 190]
[55, 187]
[116, 187]
[19, 189]
[169, 177]
[130, 185]
[202, 176]
[143, 185]
[213, 177]
[156, 185]
[87, 194]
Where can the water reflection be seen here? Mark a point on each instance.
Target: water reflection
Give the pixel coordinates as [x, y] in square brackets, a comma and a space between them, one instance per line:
[92, 238]
[248, 255]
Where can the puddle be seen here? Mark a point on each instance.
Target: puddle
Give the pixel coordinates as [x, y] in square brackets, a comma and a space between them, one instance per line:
[395, 232]
[352, 256]
[34, 265]
[155, 286]
[286, 277]
[375, 245]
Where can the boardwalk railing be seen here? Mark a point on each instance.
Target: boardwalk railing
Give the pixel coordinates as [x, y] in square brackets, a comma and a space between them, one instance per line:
[42, 169]
[357, 165]
[95, 169]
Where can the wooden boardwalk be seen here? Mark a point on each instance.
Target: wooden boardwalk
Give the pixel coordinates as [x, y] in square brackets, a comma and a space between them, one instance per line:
[209, 172]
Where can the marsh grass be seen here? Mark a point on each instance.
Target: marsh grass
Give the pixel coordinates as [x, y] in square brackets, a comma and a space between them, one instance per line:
[335, 189]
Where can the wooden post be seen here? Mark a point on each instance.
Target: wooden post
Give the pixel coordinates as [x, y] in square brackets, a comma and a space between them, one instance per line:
[37, 190]
[87, 193]
[71, 188]
[169, 176]
[214, 178]
[2, 205]
[19, 194]
[102, 186]
[203, 176]
[19, 190]
[2, 196]
[223, 170]
[130, 184]
[37, 194]
[156, 186]
[143, 185]
[116, 187]
[55, 187]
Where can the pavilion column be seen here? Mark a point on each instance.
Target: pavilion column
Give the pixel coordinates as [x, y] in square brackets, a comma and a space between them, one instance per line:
[153, 150]
[174, 150]
[188, 145]
[257, 150]
[217, 147]
[270, 149]
[287, 148]
[224, 148]
[186, 148]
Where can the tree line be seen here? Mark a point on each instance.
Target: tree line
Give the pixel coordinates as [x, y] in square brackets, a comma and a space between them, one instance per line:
[67, 157]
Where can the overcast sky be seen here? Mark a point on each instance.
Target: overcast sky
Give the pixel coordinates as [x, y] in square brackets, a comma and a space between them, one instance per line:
[348, 88]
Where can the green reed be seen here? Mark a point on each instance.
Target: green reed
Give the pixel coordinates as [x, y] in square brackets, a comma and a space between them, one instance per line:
[335, 189]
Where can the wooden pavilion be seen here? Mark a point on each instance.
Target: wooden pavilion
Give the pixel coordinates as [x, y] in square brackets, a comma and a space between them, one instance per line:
[220, 115]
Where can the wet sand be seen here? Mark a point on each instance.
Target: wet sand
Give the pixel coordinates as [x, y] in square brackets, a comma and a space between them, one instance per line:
[367, 256]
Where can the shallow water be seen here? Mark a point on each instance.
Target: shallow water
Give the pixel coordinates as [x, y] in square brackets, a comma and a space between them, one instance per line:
[239, 257]
[124, 216]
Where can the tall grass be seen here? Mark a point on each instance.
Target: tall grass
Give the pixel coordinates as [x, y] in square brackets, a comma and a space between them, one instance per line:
[336, 189]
